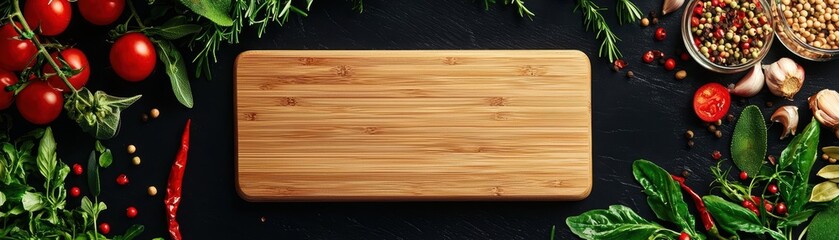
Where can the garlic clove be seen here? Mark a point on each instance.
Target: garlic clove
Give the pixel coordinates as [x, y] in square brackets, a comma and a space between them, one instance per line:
[784, 77]
[788, 116]
[750, 85]
[825, 107]
[671, 6]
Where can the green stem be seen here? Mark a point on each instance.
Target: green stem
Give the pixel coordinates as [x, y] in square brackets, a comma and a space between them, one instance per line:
[801, 236]
[134, 14]
[41, 49]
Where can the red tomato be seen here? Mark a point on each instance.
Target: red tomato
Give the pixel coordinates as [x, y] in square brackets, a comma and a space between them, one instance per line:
[104, 228]
[17, 54]
[711, 102]
[75, 191]
[39, 103]
[131, 212]
[684, 236]
[6, 98]
[101, 12]
[51, 17]
[76, 60]
[133, 57]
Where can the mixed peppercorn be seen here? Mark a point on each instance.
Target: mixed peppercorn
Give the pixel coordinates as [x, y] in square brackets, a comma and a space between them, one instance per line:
[729, 32]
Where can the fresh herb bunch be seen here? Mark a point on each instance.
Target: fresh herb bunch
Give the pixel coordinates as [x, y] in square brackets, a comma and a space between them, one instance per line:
[627, 12]
[594, 20]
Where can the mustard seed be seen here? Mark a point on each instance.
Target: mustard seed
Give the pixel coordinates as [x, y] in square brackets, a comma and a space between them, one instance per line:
[131, 149]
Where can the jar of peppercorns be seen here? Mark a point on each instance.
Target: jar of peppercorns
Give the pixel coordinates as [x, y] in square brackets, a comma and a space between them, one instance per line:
[808, 28]
[727, 36]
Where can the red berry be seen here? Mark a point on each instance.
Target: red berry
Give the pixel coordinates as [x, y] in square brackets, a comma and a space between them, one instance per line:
[768, 206]
[744, 175]
[719, 33]
[684, 236]
[716, 154]
[773, 189]
[748, 204]
[648, 57]
[122, 179]
[670, 64]
[130, 212]
[619, 64]
[697, 42]
[75, 192]
[698, 9]
[660, 34]
[745, 45]
[77, 169]
[104, 228]
[685, 56]
[781, 208]
[694, 21]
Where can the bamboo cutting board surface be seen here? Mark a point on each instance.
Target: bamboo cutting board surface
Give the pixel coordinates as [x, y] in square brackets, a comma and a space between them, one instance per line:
[413, 125]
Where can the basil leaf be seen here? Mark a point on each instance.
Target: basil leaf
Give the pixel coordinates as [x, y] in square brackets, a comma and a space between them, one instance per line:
[47, 159]
[732, 217]
[799, 157]
[176, 69]
[825, 223]
[97, 114]
[177, 27]
[215, 10]
[106, 158]
[663, 194]
[93, 174]
[617, 222]
[748, 143]
[32, 201]
[87, 206]
[824, 192]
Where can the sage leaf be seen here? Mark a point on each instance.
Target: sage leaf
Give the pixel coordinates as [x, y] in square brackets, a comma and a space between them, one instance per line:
[825, 223]
[176, 69]
[732, 217]
[825, 191]
[663, 194]
[175, 28]
[47, 158]
[748, 143]
[93, 174]
[829, 172]
[215, 10]
[106, 158]
[97, 114]
[798, 157]
[617, 222]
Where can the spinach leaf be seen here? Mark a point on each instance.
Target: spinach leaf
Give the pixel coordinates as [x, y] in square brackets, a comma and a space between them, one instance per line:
[176, 69]
[748, 143]
[825, 223]
[93, 174]
[215, 10]
[799, 157]
[663, 194]
[617, 222]
[732, 217]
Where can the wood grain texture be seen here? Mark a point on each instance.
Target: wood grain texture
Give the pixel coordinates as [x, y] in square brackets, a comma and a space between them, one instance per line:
[413, 125]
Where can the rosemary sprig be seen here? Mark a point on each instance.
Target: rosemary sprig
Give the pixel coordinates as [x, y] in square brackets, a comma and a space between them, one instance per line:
[518, 3]
[627, 11]
[358, 5]
[594, 20]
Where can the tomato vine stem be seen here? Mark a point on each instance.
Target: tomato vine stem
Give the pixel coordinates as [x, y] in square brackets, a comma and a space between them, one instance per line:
[41, 47]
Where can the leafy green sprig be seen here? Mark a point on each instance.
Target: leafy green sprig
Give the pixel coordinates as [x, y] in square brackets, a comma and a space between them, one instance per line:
[627, 11]
[522, 10]
[593, 19]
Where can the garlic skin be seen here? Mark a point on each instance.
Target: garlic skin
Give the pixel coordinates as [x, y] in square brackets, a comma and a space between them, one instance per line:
[788, 116]
[784, 77]
[825, 106]
[750, 85]
[671, 6]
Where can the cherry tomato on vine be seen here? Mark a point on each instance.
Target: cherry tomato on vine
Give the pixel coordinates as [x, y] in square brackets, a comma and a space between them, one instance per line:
[6, 79]
[17, 53]
[684, 236]
[133, 57]
[711, 102]
[101, 12]
[50, 17]
[76, 60]
[39, 103]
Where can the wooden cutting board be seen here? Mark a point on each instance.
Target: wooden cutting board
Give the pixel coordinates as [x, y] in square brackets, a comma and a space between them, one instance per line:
[413, 125]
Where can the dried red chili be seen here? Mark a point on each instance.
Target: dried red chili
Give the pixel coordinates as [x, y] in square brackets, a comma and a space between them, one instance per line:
[706, 218]
[173, 188]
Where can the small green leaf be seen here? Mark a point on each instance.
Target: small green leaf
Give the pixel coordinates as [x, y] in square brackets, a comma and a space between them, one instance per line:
[99, 147]
[2, 199]
[617, 222]
[663, 194]
[93, 174]
[798, 157]
[177, 27]
[748, 143]
[796, 219]
[825, 223]
[825, 191]
[215, 10]
[32, 201]
[87, 206]
[132, 232]
[732, 217]
[106, 158]
[177, 71]
[46, 155]
[97, 114]
[829, 172]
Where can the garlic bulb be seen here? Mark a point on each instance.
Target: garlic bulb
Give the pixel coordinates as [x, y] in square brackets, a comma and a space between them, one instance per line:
[784, 77]
[671, 6]
[825, 106]
[788, 116]
[750, 85]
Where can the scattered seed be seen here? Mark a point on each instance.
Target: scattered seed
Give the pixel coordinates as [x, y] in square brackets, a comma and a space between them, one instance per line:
[685, 173]
[690, 143]
[655, 21]
[630, 74]
[716, 155]
[712, 128]
[135, 160]
[645, 22]
[154, 113]
[131, 149]
[769, 103]
[144, 117]
[689, 134]
[681, 74]
[771, 159]
[718, 122]
[718, 134]
[825, 157]
[730, 118]
[832, 160]
[152, 191]
[263, 219]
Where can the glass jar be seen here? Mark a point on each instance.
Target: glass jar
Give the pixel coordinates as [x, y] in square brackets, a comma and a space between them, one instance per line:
[787, 37]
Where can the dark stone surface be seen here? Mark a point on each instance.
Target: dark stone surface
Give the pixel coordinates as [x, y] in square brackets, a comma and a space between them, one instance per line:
[643, 117]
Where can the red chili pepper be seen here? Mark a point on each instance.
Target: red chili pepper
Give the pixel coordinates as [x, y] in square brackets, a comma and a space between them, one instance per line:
[173, 188]
[707, 220]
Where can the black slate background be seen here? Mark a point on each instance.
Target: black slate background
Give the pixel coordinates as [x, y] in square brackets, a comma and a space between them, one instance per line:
[644, 117]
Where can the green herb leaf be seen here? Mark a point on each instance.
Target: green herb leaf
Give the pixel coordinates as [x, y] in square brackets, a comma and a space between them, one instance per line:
[829, 172]
[175, 28]
[106, 158]
[825, 223]
[47, 158]
[215, 10]
[97, 114]
[617, 222]
[663, 194]
[93, 174]
[796, 219]
[748, 143]
[732, 217]
[176, 69]
[2, 199]
[799, 157]
[132, 232]
[825, 191]
[99, 147]
[32, 201]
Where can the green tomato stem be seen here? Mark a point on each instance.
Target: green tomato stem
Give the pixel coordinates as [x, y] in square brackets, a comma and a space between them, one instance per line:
[134, 14]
